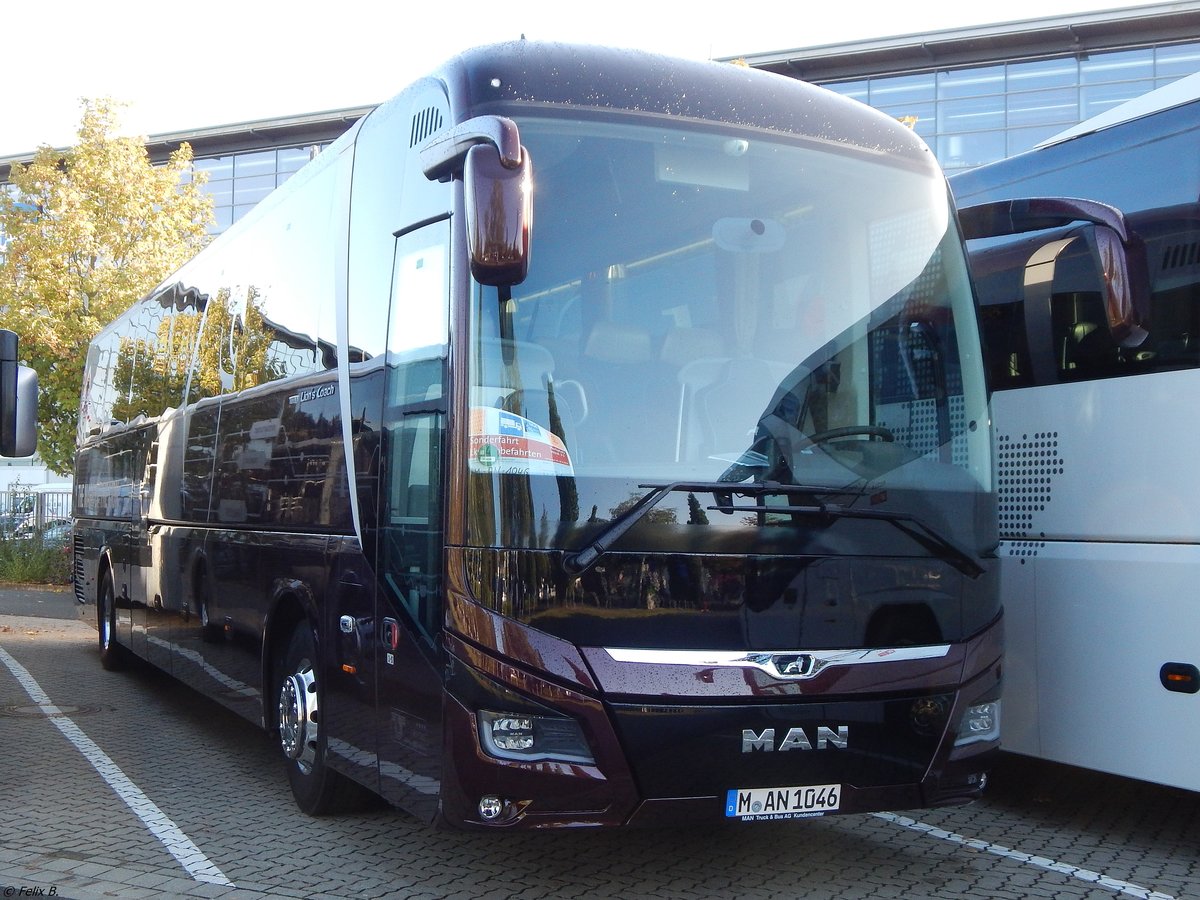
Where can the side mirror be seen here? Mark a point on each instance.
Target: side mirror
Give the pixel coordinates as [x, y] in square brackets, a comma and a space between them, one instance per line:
[1118, 254]
[1126, 283]
[18, 401]
[498, 180]
[499, 207]
[1036, 214]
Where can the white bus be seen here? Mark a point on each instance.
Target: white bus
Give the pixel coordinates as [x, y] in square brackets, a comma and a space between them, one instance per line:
[1095, 415]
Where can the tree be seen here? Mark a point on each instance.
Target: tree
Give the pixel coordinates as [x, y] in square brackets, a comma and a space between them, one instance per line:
[232, 352]
[88, 231]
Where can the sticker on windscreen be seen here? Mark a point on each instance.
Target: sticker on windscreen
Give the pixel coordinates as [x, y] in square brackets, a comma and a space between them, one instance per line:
[509, 444]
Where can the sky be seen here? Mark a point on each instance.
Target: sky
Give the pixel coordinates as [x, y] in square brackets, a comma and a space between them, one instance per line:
[180, 66]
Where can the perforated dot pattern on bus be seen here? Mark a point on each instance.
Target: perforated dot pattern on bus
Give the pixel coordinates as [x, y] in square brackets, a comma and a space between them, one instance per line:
[1025, 549]
[1026, 468]
[916, 424]
[914, 418]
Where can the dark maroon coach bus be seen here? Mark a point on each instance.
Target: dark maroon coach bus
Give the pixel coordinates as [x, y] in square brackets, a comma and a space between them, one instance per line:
[586, 437]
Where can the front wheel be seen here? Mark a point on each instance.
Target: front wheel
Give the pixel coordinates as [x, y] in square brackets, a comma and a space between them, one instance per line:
[112, 654]
[318, 789]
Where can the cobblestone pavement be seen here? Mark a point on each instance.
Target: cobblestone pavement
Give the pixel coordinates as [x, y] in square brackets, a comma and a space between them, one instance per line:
[129, 785]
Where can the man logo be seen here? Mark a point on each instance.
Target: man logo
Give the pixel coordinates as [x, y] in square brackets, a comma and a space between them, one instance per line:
[796, 739]
[794, 664]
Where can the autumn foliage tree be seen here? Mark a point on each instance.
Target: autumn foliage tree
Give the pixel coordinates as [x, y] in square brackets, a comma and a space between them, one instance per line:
[88, 230]
[230, 353]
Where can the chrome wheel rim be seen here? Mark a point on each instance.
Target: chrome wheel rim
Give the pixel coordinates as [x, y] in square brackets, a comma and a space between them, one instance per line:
[106, 619]
[299, 722]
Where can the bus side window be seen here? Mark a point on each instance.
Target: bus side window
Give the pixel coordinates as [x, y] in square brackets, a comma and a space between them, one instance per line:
[1086, 348]
[1175, 326]
[410, 534]
[199, 462]
[240, 484]
[414, 458]
[308, 474]
[1006, 346]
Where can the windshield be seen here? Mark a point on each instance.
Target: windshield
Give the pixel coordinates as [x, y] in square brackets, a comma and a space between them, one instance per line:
[733, 307]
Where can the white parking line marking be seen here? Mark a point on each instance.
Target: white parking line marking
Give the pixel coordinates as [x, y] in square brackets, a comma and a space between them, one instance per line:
[1050, 865]
[178, 844]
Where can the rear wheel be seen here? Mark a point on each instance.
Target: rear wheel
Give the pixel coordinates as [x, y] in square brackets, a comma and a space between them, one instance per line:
[210, 632]
[112, 654]
[318, 789]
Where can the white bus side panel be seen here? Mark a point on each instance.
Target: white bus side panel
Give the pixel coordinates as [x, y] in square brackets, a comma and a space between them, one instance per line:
[1088, 627]
[1100, 511]
[1106, 460]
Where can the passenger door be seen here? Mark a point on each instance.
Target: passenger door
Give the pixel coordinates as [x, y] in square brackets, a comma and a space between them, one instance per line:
[144, 548]
[410, 535]
[127, 464]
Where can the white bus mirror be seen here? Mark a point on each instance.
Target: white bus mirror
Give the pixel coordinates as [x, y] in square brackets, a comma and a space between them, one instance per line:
[18, 401]
[1118, 254]
[1117, 267]
[25, 419]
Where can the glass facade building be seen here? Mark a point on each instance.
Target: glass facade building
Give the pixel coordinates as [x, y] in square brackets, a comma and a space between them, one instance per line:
[237, 181]
[242, 162]
[979, 114]
[976, 95]
[968, 115]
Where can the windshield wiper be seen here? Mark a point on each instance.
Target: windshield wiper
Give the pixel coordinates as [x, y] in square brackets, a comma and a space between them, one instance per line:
[941, 547]
[579, 561]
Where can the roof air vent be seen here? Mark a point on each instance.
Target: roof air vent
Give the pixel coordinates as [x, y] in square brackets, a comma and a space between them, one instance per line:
[1177, 256]
[426, 122]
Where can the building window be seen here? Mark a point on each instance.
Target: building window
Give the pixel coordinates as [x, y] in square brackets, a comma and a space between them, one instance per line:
[238, 182]
[980, 114]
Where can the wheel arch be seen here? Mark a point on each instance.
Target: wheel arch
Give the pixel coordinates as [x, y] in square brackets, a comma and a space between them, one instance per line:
[292, 603]
[105, 566]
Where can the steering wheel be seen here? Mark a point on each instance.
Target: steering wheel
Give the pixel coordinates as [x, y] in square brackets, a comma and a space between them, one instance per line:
[832, 434]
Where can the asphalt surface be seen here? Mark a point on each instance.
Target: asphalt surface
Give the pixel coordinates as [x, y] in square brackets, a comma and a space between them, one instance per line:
[42, 601]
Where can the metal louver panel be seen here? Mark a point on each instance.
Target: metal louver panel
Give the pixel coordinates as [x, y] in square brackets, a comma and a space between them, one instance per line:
[425, 123]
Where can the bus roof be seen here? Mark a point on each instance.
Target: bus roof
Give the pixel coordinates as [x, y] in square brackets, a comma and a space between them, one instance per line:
[1177, 93]
[548, 74]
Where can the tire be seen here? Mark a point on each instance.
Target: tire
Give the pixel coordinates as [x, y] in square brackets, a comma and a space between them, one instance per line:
[112, 654]
[297, 718]
[210, 632]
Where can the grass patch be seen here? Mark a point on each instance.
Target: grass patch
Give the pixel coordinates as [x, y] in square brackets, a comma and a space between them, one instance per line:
[34, 560]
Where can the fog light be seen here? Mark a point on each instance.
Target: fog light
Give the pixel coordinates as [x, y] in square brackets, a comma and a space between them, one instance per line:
[490, 806]
[979, 723]
[527, 738]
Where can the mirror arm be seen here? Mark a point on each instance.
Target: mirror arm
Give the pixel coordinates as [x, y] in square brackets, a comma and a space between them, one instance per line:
[1035, 214]
[444, 154]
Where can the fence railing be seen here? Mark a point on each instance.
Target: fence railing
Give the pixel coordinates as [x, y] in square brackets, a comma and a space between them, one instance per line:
[25, 510]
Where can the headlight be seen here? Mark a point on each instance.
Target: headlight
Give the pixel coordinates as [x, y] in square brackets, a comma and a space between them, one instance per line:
[979, 723]
[527, 738]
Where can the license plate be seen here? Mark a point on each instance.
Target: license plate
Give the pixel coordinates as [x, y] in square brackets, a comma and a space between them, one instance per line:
[782, 803]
